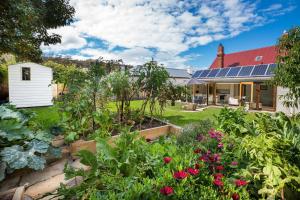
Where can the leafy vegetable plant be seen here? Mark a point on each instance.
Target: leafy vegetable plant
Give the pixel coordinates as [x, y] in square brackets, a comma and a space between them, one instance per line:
[21, 145]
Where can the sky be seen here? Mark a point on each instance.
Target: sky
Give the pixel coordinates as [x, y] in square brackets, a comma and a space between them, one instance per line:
[177, 34]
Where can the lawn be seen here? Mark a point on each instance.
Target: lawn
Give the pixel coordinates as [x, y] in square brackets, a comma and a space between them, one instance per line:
[48, 116]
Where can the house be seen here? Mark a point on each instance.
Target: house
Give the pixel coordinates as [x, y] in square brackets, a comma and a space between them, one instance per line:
[178, 76]
[241, 78]
[30, 85]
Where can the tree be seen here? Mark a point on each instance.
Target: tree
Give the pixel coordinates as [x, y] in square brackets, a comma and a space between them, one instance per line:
[24, 25]
[175, 92]
[152, 79]
[287, 74]
[122, 87]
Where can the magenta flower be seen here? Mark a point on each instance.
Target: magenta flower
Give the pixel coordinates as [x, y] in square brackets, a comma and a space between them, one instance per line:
[192, 171]
[167, 160]
[234, 163]
[220, 145]
[180, 175]
[218, 182]
[240, 182]
[167, 190]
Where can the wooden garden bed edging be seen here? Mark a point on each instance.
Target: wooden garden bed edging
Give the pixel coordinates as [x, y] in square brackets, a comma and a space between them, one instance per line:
[152, 133]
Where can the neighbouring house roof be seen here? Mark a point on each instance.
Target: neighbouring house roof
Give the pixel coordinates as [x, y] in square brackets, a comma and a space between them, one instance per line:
[173, 73]
[178, 73]
[265, 55]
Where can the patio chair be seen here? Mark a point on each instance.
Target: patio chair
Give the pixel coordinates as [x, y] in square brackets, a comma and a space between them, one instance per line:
[199, 100]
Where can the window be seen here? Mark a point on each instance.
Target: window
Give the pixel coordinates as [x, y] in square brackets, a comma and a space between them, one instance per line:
[258, 58]
[25, 74]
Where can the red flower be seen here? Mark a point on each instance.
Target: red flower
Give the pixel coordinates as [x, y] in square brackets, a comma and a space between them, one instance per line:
[197, 166]
[192, 171]
[218, 182]
[197, 151]
[204, 158]
[180, 175]
[167, 160]
[219, 167]
[218, 176]
[166, 190]
[240, 183]
[235, 196]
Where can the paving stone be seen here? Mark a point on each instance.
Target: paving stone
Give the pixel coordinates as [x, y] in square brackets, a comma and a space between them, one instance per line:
[38, 176]
[39, 189]
[50, 185]
[9, 183]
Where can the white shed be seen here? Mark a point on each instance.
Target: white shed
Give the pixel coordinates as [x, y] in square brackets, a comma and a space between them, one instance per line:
[30, 85]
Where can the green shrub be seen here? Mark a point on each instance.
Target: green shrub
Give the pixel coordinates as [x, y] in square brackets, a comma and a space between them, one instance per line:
[191, 131]
[232, 120]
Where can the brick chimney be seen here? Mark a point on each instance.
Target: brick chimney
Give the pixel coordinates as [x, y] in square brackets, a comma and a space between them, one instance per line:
[220, 56]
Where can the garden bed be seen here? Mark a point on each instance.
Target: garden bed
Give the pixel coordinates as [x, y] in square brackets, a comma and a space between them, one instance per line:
[148, 134]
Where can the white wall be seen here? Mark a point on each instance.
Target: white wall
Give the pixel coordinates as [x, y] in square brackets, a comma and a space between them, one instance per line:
[279, 105]
[32, 93]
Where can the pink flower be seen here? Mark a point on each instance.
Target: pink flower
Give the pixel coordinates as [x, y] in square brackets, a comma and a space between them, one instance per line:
[192, 171]
[180, 175]
[167, 191]
[167, 160]
[219, 167]
[199, 137]
[218, 182]
[235, 196]
[234, 163]
[240, 183]
[215, 134]
[220, 145]
[215, 158]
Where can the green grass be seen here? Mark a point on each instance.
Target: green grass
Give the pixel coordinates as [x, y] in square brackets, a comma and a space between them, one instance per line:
[48, 116]
[176, 115]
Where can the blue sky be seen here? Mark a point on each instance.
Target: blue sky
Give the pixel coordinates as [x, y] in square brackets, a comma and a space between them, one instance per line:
[178, 34]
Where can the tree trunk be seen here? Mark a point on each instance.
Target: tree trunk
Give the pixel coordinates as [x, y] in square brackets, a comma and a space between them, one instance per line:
[172, 102]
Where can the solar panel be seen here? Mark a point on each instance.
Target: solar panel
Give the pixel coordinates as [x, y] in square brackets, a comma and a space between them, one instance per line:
[223, 72]
[196, 74]
[204, 73]
[233, 71]
[213, 73]
[259, 70]
[271, 69]
[246, 71]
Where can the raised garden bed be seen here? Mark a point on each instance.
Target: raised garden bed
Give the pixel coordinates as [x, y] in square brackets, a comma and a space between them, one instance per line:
[149, 134]
[34, 184]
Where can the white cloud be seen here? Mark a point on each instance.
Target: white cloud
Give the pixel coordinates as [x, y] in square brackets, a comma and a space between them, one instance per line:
[167, 26]
[71, 38]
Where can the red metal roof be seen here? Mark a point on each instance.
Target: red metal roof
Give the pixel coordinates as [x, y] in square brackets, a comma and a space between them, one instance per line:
[244, 58]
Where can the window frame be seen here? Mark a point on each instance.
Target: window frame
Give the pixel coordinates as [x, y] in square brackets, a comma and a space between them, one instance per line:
[24, 75]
